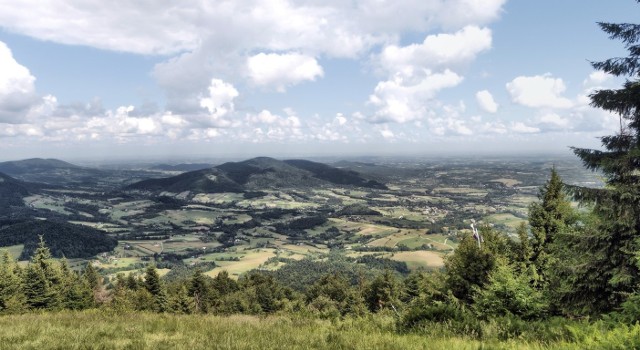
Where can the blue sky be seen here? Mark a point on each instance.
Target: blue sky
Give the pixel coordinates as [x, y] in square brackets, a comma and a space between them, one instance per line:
[302, 77]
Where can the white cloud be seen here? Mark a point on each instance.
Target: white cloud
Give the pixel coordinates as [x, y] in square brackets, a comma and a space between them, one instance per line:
[219, 102]
[387, 134]
[597, 78]
[440, 50]
[205, 39]
[404, 98]
[521, 128]
[17, 90]
[253, 43]
[554, 120]
[340, 28]
[417, 72]
[539, 91]
[282, 70]
[486, 102]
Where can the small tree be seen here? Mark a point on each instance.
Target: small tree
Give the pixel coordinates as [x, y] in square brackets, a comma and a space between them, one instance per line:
[42, 280]
[12, 298]
[154, 286]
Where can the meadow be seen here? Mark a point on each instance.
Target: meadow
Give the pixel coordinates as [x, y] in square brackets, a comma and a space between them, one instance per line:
[99, 329]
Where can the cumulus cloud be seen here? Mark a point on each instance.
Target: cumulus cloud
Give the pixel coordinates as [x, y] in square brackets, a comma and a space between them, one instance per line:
[417, 72]
[404, 98]
[486, 102]
[219, 102]
[539, 91]
[281, 70]
[436, 51]
[17, 89]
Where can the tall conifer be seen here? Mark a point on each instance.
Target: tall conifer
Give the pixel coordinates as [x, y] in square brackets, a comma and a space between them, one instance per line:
[610, 270]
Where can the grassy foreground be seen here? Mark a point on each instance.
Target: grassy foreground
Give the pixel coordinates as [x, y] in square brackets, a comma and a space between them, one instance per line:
[102, 330]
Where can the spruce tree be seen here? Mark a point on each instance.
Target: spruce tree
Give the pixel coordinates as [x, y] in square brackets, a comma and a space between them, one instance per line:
[42, 280]
[548, 219]
[154, 286]
[11, 295]
[610, 271]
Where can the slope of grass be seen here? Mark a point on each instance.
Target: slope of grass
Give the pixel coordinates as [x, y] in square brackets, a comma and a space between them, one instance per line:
[97, 329]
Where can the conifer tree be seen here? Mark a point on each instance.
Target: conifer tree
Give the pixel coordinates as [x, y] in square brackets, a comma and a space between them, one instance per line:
[610, 271]
[200, 291]
[154, 286]
[42, 280]
[11, 295]
[92, 276]
[548, 219]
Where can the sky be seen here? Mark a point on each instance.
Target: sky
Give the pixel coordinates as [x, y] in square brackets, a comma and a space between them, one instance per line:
[194, 78]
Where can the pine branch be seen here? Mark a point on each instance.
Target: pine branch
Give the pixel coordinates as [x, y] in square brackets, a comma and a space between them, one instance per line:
[627, 32]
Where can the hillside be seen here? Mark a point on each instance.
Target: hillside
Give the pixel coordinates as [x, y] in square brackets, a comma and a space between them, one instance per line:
[64, 239]
[199, 181]
[32, 165]
[257, 174]
[11, 193]
[49, 171]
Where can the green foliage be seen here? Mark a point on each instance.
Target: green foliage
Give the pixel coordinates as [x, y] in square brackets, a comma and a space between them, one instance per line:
[384, 292]
[332, 296]
[508, 292]
[469, 266]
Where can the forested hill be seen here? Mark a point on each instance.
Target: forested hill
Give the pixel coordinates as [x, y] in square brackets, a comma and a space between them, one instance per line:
[64, 239]
[32, 165]
[12, 191]
[335, 175]
[257, 174]
[50, 171]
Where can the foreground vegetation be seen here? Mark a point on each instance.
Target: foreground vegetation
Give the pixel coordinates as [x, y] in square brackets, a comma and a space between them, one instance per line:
[107, 330]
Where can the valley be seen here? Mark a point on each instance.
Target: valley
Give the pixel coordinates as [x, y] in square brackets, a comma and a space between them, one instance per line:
[263, 213]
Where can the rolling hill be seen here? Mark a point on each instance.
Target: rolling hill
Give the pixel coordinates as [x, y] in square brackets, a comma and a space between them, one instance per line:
[49, 171]
[257, 174]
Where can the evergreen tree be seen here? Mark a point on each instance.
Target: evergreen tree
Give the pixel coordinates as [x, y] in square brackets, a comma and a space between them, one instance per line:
[610, 270]
[154, 286]
[11, 295]
[383, 293]
[181, 302]
[549, 218]
[92, 276]
[200, 291]
[42, 280]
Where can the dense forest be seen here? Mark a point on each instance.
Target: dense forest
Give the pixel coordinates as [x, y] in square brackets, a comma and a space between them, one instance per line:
[63, 239]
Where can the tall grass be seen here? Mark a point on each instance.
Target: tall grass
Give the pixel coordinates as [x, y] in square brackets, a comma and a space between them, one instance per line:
[98, 329]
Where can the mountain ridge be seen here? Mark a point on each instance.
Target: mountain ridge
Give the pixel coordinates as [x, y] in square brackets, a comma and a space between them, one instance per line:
[256, 174]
